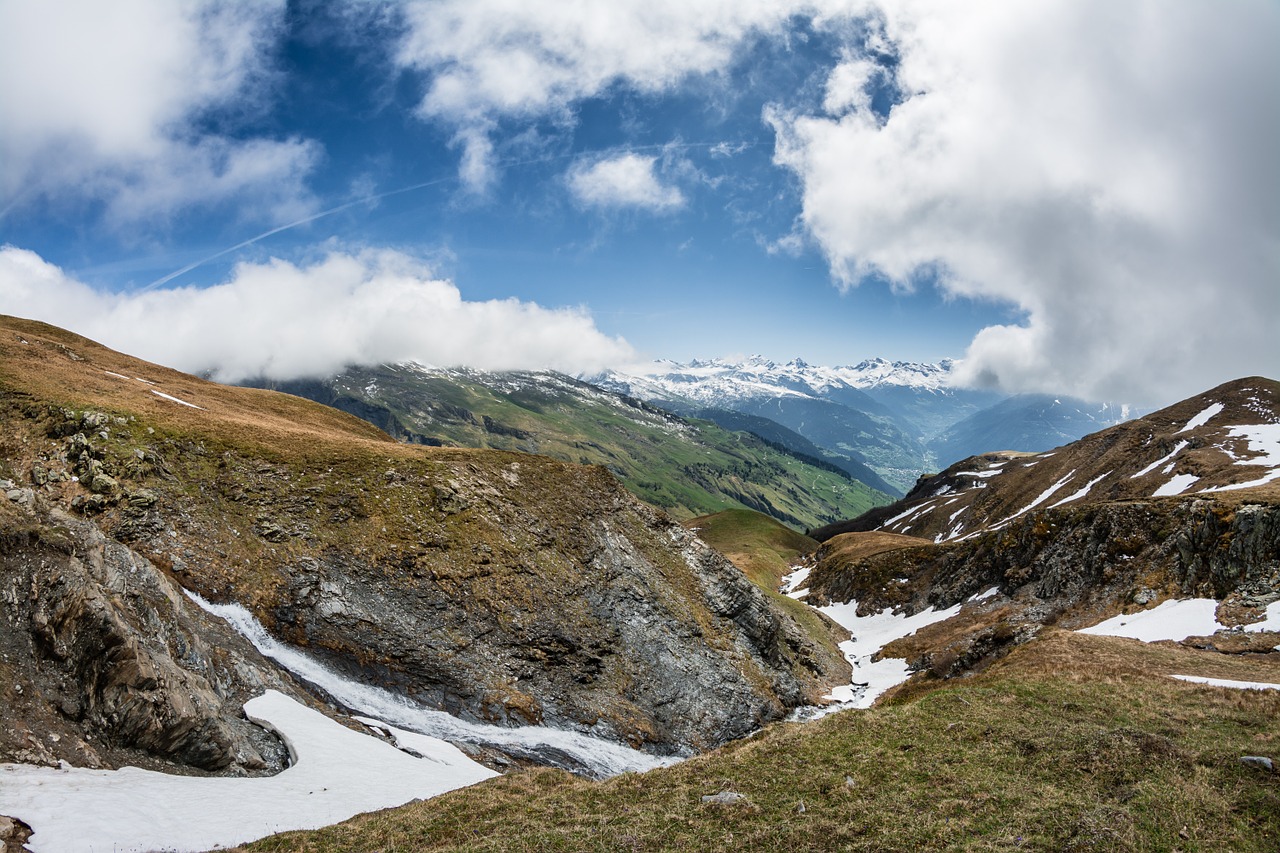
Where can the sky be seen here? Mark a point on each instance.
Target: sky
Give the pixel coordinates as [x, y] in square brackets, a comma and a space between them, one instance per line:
[1075, 196]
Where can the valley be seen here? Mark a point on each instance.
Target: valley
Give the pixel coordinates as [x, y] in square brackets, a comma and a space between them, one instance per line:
[221, 543]
[685, 467]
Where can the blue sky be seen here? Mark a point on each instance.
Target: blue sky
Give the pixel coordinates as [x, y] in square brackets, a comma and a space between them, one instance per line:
[1073, 198]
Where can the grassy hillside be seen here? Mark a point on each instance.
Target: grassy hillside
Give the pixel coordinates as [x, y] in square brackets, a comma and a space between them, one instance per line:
[764, 549]
[1071, 743]
[688, 468]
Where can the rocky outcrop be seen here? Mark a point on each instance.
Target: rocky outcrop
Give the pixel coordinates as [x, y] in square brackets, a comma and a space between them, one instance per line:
[1098, 553]
[108, 663]
[600, 614]
[1067, 566]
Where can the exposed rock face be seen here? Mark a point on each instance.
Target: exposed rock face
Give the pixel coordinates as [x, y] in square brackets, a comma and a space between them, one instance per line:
[1099, 553]
[596, 613]
[1068, 566]
[106, 658]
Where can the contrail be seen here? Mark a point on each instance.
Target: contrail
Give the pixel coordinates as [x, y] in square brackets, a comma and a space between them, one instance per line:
[265, 234]
[376, 196]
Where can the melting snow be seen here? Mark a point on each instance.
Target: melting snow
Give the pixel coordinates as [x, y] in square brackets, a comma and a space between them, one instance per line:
[1270, 622]
[1202, 418]
[869, 635]
[1163, 459]
[907, 514]
[600, 757]
[1176, 619]
[984, 595]
[1264, 444]
[1078, 495]
[336, 773]
[1170, 620]
[174, 399]
[1044, 496]
[791, 584]
[1176, 486]
[1226, 682]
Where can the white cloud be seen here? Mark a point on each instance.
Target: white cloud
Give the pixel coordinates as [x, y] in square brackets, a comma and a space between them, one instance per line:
[100, 102]
[492, 59]
[624, 180]
[1107, 168]
[281, 320]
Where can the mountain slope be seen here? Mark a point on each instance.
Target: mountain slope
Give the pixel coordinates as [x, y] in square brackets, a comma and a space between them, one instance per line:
[1184, 503]
[776, 434]
[1218, 442]
[686, 468]
[1016, 731]
[919, 395]
[499, 586]
[900, 418]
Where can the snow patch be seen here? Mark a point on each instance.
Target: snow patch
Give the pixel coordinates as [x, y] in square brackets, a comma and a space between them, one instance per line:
[1163, 459]
[984, 595]
[907, 514]
[1270, 621]
[597, 757]
[792, 584]
[869, 634]
[1075, 496]
[1264, 444]
[1176, 486]
[1174, 619]
[336, 774]
[1044, 496]
[174, 399]
[1226, 682]
[1202, 418]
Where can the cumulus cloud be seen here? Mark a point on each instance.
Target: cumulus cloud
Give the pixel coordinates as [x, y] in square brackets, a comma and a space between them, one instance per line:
[101, 102]
[1106, 168]
[282, 320]
[623, 180]
[487, 60]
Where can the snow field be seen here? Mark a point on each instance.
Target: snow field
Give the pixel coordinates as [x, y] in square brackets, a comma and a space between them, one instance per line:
[336, 774]
[869, 634]
[1177, 619]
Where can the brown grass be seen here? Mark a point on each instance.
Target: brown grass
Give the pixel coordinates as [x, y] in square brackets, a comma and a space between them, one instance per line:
[849, 547]
[65, 369]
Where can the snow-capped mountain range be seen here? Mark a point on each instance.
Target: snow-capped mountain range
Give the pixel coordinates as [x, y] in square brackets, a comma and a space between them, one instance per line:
[714, 379]
[901, 418]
